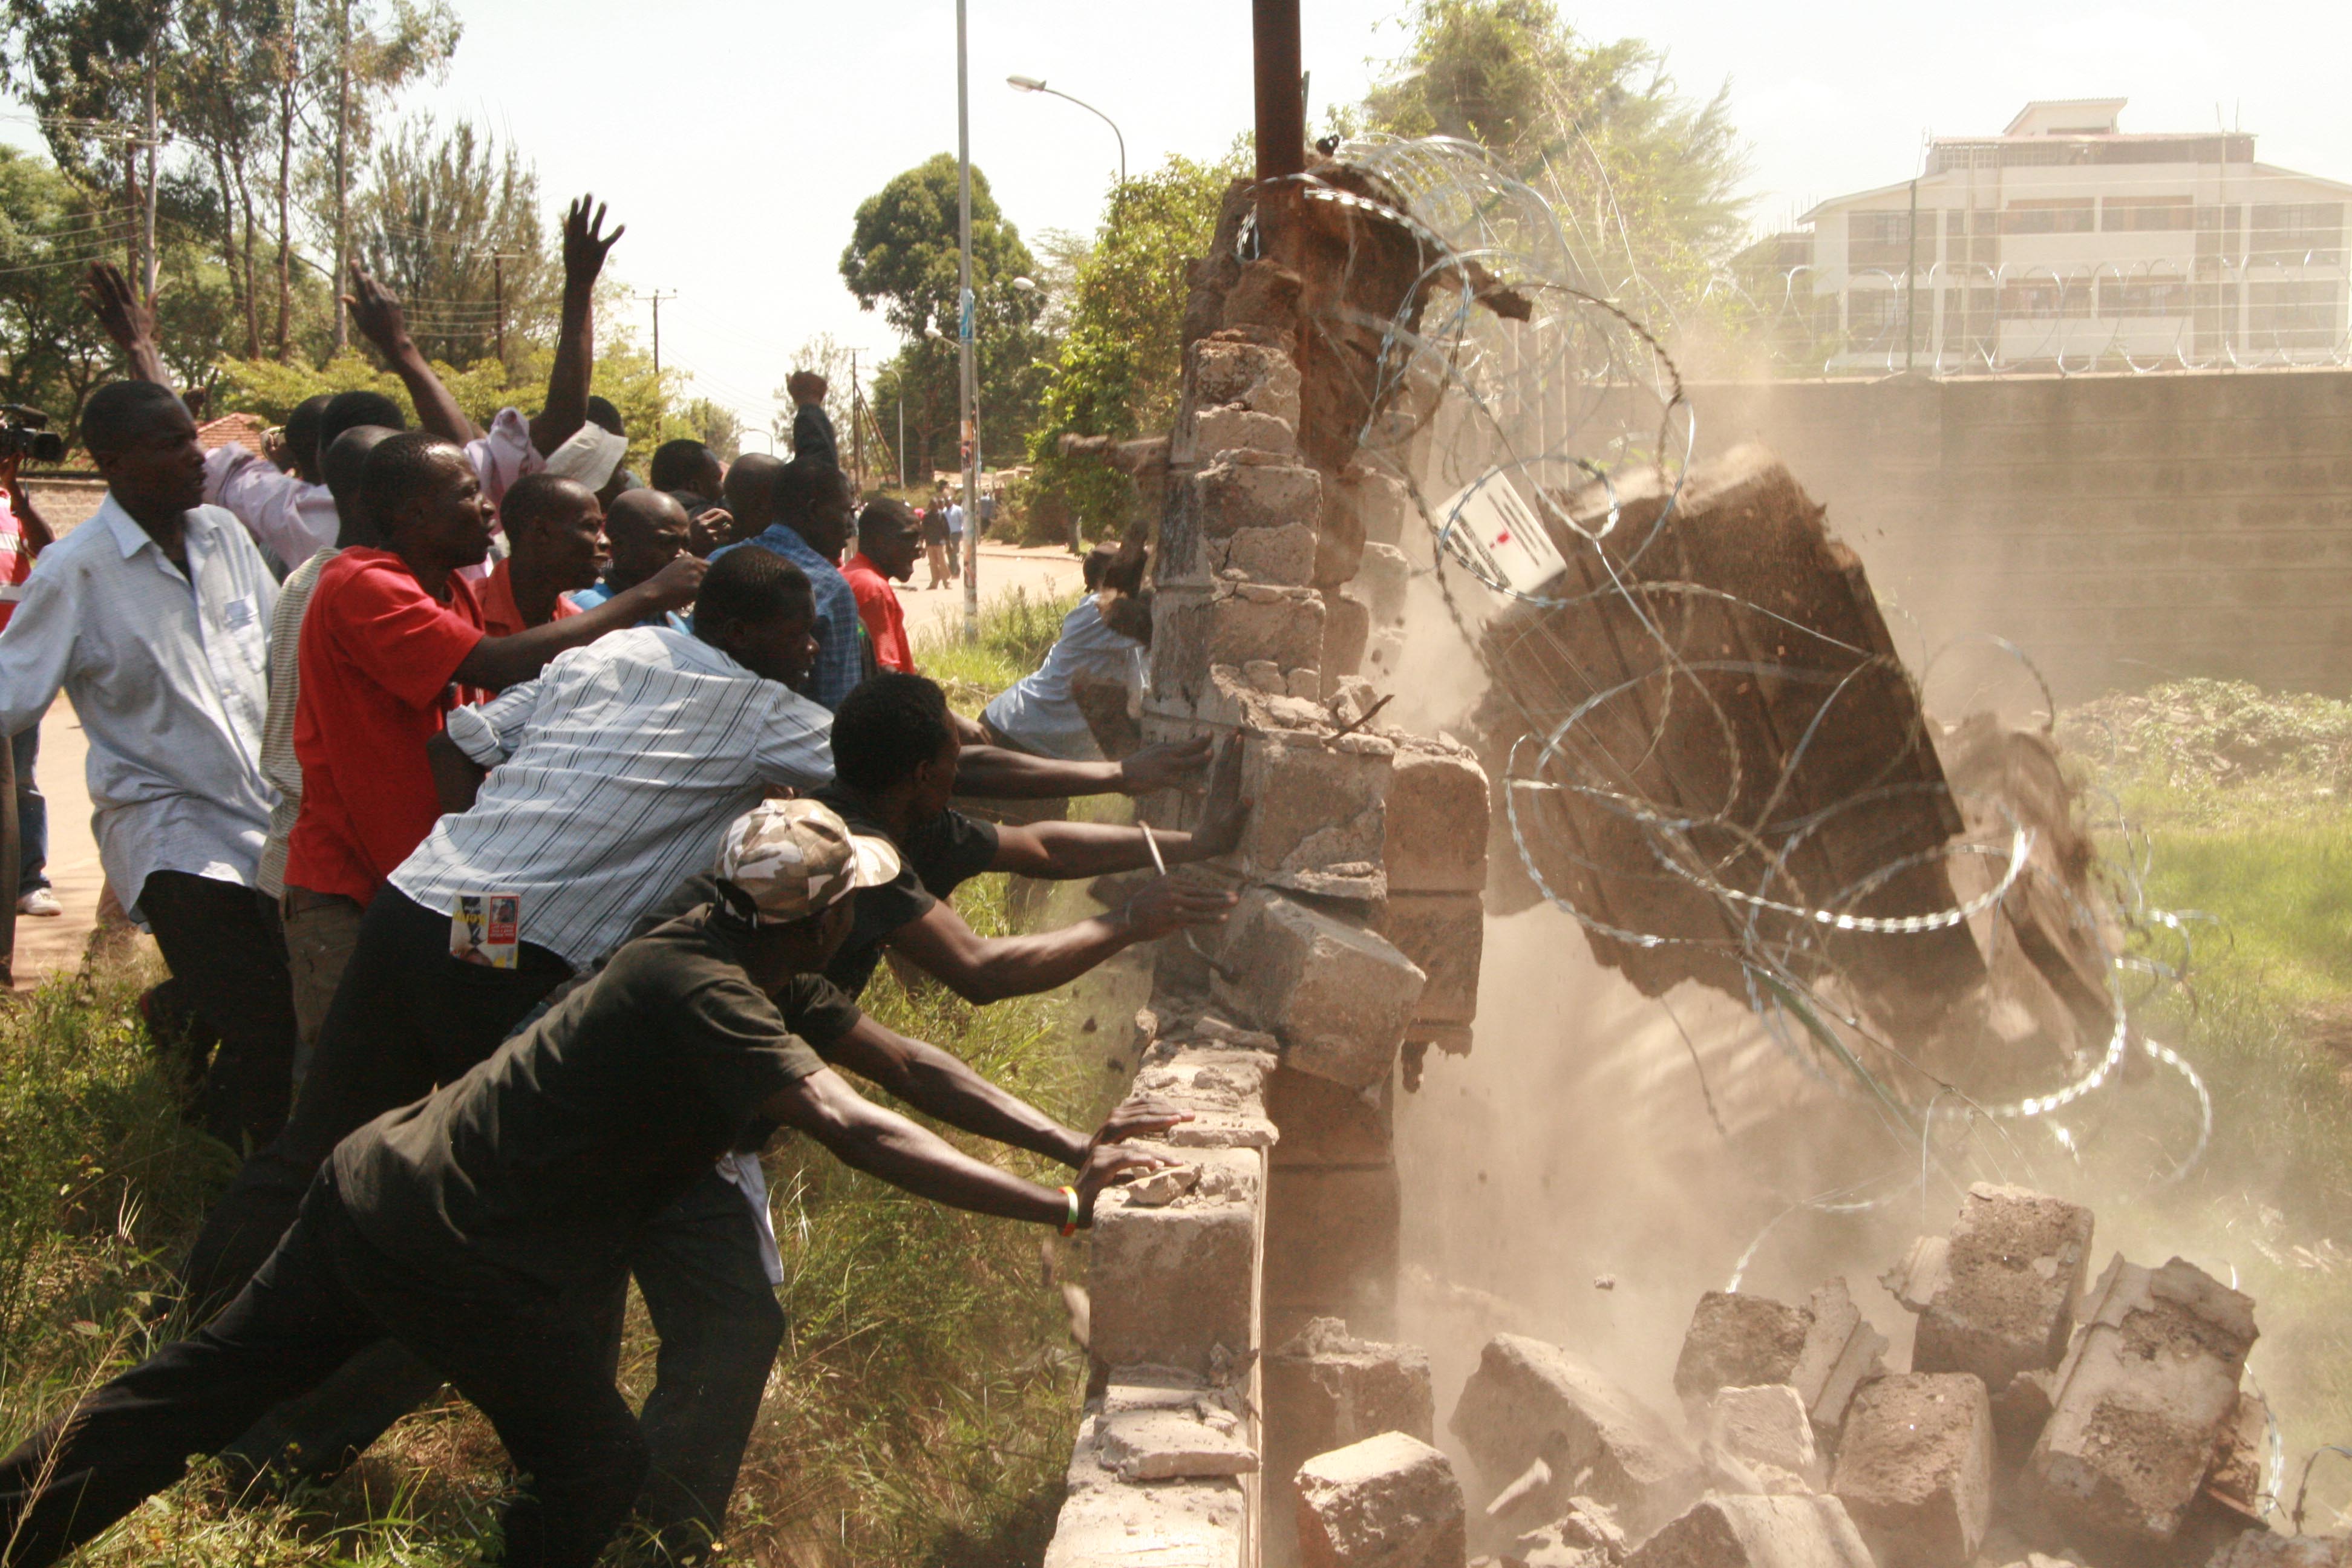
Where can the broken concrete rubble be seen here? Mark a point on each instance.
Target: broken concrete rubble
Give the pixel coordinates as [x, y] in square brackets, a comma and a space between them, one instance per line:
[1530, 1400]
[1586, 1536]
[1740, 1340]
[1915, 1468]
[1756, 1532]
[1389, 1501]
[1436, 818]
[2142, 1403]
[1766, 1425]
[1998, 1297]
[1317, 815]
[1326, 1389]
[1337, 995]
[2262, 1549]
[1842, 1353]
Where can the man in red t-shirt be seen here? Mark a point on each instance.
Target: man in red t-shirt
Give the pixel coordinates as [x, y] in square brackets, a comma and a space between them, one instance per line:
[389, 639]
[556, 532]
[889, 541]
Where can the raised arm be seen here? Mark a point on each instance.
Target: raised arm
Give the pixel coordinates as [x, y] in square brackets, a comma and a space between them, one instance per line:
[883, 1143]
[130, 324]
[983, 969]
[812, 435]
[376, 312]
[585, 246]
[1018, 776]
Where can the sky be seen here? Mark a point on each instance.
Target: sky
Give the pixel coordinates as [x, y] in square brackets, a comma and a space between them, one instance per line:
[735, 139]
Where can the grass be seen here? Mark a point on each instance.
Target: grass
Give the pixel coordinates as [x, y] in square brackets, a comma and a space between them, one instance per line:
[1016, 630]
[921, 1411]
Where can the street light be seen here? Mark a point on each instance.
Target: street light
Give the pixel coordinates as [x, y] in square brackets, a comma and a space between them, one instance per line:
[1031, 84]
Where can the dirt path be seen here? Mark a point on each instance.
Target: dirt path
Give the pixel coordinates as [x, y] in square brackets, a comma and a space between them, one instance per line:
[47, 947]
[1041, 573]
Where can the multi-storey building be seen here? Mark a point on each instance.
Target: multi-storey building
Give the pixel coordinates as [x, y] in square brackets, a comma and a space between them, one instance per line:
[2064, 243]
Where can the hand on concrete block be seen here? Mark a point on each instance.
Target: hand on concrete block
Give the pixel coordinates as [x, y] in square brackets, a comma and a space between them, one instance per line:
[1389, 1501]
[1915, 1468]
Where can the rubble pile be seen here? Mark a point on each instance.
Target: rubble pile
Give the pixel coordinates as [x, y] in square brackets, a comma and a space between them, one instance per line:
[2046, 1421]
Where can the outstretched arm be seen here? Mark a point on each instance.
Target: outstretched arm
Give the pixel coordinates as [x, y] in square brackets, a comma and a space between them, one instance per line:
[989, 969]
[1018, 776]
[130, 324]
[585, 246]
[498, 663]
[886, 1144]
[1061, 851]
[376, 312]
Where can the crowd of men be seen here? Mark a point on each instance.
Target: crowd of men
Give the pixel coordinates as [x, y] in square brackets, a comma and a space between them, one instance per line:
[520, 838]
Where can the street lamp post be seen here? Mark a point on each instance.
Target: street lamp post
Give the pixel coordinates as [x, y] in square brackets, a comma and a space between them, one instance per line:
[966, 375]
[1032, 84]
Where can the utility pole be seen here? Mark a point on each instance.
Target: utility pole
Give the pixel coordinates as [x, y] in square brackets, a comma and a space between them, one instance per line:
[902, 441]
[499, 297]
[1911, 281]
[857, 425]
[970, 391]
[656, 297]
[343, 178]
[154, 48]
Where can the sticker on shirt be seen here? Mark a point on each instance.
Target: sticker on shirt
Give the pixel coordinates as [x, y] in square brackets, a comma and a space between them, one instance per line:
[237, 614]
[483, 928]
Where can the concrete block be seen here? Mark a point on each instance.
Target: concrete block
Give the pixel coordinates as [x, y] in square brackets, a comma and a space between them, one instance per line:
[1326, 1124]
[1915, 1468]
[1159, 1445]
[2265, 1549]
[1319, 812]
[1253, 375]
[1764, 1426]
[1437, 805]
[2005, 1301]
[1738, 1340]
[1200, 1524]
[1380, 582]
[1218, 1073]
[1586, 1536]
[1842, 1353]
[1530, 1400]
[1756, 1532]
[1347, 626]
[1380, 503]
[1232, 494]
[1337, 995]
[1325, 1389]
[1332, 1248]
[1389, 1501]
[2143, 1402]
[1232, 428]
[1280, 555]
[1444, 935]
[1194, 630]
[1201, 1251]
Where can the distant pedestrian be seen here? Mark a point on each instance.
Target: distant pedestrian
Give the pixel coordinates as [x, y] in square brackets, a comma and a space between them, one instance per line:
[955, 539]
[888, 539]
[24, 534]
[935, 539]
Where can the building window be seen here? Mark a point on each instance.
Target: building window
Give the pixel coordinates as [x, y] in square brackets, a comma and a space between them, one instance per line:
[2067, 215]
[2120, 297]
[2046, 299]
[2298, 234]
[2131, 214]
[1880, 240]
[2292, 315]
[1874, 317]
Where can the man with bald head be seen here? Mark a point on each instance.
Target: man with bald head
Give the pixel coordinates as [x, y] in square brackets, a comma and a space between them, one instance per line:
[393, 635]
[803, 511]
[645, 530]
[555, 535]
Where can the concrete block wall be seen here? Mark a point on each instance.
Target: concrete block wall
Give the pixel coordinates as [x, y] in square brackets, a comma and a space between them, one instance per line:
[2122, 529]
[1278, 594]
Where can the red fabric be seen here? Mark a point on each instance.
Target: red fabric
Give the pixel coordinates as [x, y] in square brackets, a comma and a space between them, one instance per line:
[885, 617]
[377, 657]
[500, 618]
[15, 559]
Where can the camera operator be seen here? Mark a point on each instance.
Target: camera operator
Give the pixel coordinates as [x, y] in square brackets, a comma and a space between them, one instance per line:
[24, 534]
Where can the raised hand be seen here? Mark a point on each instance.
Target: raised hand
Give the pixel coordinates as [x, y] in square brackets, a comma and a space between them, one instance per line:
[375, 311]
[118, 308]
[1171, 764]
[804, 387]
[585, 245]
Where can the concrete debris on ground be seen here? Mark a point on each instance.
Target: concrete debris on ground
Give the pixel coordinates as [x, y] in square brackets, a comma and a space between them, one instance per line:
[1842, 1353]
[1765, 1426]
[1529, 1400]
[1325, 1389]
[1586, 1536]
[1389, 1501]
[1739, 1340]
[2264, 1550]
[1996, 1297]
[2142, 1403]
[1756, 1532]
[1915, 1468]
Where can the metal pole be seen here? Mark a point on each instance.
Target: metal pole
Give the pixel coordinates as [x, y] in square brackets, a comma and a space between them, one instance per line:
[154, 43]
[856, 426]
[902, 441]
[1281, 106]
[1911, 281]
[970, 396]
[498, 293]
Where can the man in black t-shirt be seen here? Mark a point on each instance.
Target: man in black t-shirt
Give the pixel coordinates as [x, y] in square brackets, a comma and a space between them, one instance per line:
[474, 1224]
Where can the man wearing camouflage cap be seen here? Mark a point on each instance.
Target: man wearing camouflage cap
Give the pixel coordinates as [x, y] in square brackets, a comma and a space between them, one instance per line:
[476, 1225]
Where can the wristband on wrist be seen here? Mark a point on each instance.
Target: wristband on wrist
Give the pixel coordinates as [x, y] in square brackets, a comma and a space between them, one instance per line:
[1070, 1224]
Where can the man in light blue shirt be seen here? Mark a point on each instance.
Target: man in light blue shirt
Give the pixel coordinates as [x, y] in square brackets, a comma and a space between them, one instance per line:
[803, 511]
[645, 530]
[154, 618]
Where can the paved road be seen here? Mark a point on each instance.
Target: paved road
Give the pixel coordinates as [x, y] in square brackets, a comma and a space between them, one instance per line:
[1043, 573]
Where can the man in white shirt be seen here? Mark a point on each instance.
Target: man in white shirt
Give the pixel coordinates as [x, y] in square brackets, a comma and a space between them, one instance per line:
[153, 617]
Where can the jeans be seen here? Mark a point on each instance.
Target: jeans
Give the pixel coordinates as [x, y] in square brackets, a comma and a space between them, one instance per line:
[32, 813]
[406, 1017]
[526, 1357]
[228, 963]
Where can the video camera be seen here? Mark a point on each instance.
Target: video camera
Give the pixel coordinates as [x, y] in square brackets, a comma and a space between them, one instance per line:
[25, 436]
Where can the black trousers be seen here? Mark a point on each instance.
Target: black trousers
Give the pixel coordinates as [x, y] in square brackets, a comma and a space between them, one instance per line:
[523, 1356]
[406, 1017]
[223, 945]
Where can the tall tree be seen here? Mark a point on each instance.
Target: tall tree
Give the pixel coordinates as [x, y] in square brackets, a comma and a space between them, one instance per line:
[1648, 181]
[450, 222]
[902, 258]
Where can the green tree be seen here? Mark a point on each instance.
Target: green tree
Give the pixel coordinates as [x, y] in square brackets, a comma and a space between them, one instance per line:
[1648, 181]
[1122, 363]
[903, 258]
[451, 223]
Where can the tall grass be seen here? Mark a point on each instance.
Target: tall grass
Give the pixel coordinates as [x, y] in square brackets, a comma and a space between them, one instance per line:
[1016, 630]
